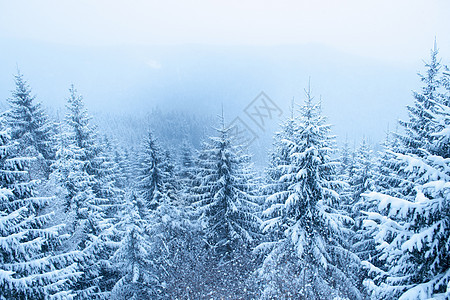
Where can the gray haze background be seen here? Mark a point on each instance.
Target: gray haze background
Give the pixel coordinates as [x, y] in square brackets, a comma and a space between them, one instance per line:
[127, 57]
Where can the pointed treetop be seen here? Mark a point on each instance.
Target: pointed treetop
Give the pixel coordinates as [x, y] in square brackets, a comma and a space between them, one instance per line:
[309, 84]
[222, 119]
[435, 48]
[75, 101]
[292, 108]
[310, 109]
[22, 93]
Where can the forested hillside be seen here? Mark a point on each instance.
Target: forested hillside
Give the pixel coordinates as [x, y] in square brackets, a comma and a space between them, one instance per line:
[176, 210]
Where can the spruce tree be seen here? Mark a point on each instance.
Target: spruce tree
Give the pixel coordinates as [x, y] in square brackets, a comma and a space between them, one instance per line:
[386, 177]
[133, 259]
[223, 193]
[411, 226]
[152, 180]
[174, 238]
[225, 201]
[31, 267]
[420, 126]
[186, 171]
[169, 232]
[279, 157]
[30, 126]
[345, 173]
[362, 181]
[108, 173]
[77, 173]
[412, 234]
[310, 260]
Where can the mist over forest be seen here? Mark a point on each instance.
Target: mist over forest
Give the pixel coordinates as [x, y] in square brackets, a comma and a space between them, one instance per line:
[251, 150]
[198, 79]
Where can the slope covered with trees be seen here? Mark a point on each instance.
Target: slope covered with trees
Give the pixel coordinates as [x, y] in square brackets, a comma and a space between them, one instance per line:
[87, 214]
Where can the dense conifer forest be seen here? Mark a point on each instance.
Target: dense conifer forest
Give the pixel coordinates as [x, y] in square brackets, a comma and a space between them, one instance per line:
[183, 213]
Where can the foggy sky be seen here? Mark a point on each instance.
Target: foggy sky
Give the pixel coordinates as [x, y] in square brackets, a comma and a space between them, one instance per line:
[362, 56]
[383, 29]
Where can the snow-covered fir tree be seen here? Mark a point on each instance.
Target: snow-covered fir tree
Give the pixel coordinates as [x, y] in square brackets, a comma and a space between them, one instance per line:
[345, 173]
[171, 228]
[279, 157]
[224, 199]
[186, 172]
[362, 177]
[109, 179]
[171, 185]
[361, 180]
[122, 175]
[30, 126]
[156, 257]
[386, 177]
[174, 236]
[411, 228]
[223, 193]
[310, 260]
[81, 131]
[152, 178]
[421, 126]
[346, 160]
[76, 173]
[31, 267]
[133, 259]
